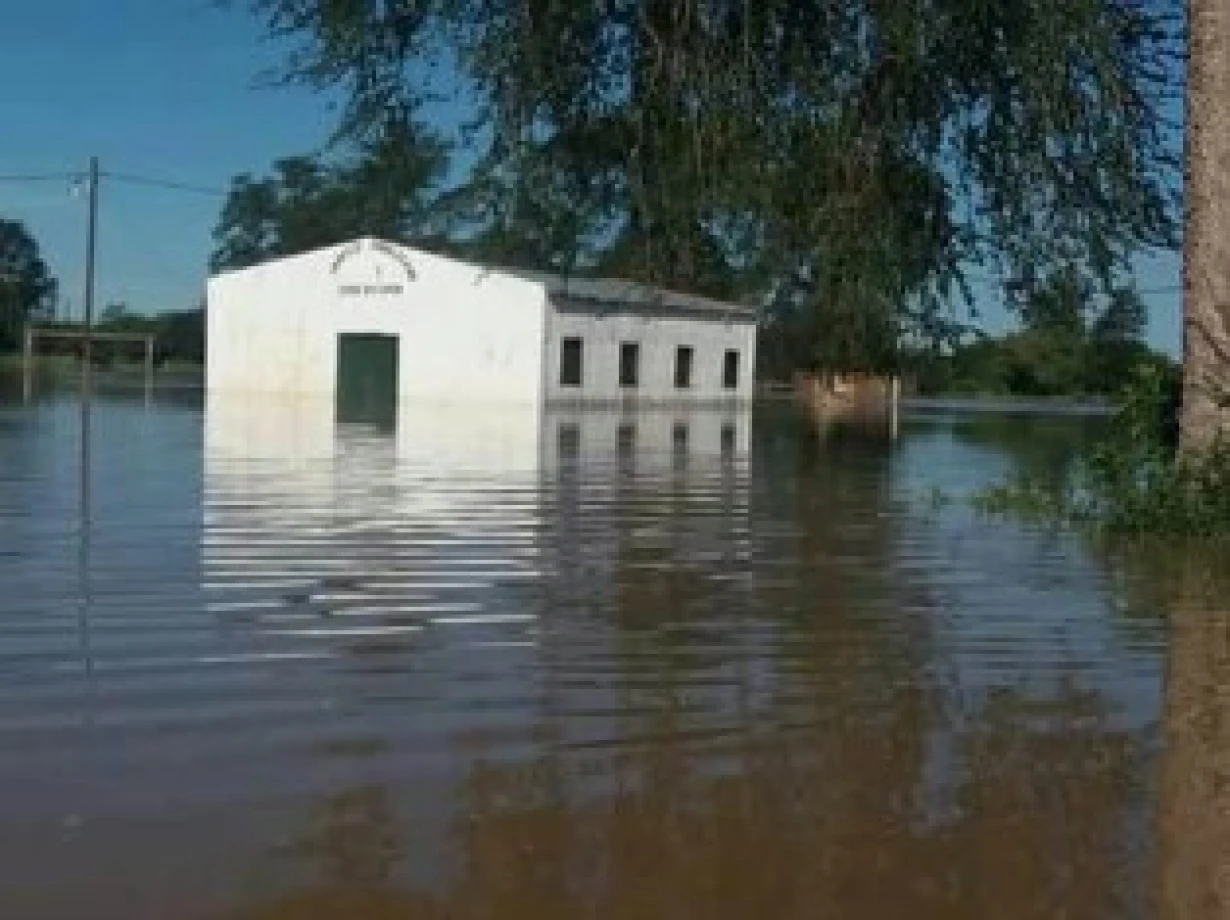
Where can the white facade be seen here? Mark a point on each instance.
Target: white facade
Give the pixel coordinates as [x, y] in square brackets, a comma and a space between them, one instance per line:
[658, 333]
[466, 333]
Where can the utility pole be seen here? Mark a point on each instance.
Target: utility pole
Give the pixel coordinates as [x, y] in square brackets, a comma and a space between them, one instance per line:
[90, 243]
[83, 557]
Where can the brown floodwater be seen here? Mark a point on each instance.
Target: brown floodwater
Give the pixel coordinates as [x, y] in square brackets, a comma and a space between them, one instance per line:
[511, 665]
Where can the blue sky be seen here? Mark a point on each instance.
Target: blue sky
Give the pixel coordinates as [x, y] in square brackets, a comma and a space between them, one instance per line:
[168, 88]
[154, 87]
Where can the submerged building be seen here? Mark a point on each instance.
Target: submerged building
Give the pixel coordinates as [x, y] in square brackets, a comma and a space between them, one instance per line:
[370, 322]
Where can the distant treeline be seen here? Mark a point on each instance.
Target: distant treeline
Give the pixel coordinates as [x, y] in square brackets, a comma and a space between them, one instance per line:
[1073, 341]
[1022, 364]
[179, 336]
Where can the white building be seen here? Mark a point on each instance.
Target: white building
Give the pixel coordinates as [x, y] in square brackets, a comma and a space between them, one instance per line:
[376, 322]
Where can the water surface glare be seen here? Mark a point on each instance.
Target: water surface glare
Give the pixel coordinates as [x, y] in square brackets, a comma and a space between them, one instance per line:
[561, 665]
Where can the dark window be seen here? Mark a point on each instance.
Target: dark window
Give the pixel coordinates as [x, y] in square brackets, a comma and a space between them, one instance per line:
[730, 371]
[568, 440]
[683, 367]
[679, 446]
[629, 364]
[570, 362]
[625, 442]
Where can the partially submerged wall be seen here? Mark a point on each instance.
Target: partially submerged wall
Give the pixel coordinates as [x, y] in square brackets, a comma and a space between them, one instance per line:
[465, 333]
[659, 334]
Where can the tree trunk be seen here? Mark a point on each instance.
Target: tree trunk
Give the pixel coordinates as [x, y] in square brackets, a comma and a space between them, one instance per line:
[1206, 245]
[1194, 803]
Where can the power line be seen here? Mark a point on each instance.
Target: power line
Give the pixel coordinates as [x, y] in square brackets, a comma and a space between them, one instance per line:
[130, 178]
[42, 177]
[164, 183]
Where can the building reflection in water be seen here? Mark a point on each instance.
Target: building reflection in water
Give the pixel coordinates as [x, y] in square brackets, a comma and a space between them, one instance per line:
[730, 699]
[436, 580]
[588, 664]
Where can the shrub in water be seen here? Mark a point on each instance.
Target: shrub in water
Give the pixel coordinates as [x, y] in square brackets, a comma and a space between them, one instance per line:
[1133, 481]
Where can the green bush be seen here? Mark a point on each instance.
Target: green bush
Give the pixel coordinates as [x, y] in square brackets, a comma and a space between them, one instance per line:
[1134, 482]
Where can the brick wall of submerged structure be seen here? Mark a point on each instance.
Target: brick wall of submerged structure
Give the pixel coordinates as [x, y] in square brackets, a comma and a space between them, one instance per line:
[862, 399]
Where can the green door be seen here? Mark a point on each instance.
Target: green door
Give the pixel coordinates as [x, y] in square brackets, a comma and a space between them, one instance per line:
[367, 378]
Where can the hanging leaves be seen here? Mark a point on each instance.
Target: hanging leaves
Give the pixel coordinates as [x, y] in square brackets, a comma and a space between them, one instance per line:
[853, 155]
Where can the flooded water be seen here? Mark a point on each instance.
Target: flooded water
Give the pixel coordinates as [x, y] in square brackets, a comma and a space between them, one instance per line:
[548, 666]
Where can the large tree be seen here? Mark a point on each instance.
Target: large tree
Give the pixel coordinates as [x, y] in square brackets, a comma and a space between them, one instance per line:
[384, 186]
[850, 156]
[27, 288]
[1206, 251]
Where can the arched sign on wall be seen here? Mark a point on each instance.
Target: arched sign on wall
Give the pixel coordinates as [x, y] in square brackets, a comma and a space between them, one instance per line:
[378, 285]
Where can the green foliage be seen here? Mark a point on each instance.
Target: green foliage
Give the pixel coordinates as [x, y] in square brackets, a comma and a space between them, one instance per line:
[387, 190]
[1074, 342]
[27, 289]
[844, 160]
[1133, 482]
[1056, 307]
[832, 335]
[114, 314]
[179, 335]
[1123, 321]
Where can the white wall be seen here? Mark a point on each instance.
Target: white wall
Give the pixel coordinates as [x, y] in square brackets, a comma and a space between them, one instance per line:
[659, 335]
[466, 333]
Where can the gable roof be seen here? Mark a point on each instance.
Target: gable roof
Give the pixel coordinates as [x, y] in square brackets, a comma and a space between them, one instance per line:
[615, 292]
[607, 292]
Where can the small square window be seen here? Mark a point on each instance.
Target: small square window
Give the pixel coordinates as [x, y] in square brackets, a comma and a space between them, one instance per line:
[571, 370]
[568, 440]
[625, 441]
[730, 370]
[629, 364]
[683, 367]
[679, 446]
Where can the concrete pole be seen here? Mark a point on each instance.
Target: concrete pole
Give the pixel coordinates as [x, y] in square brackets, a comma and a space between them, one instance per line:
[27, 365]
[894, 406]
[149, 365]
[90, 248]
